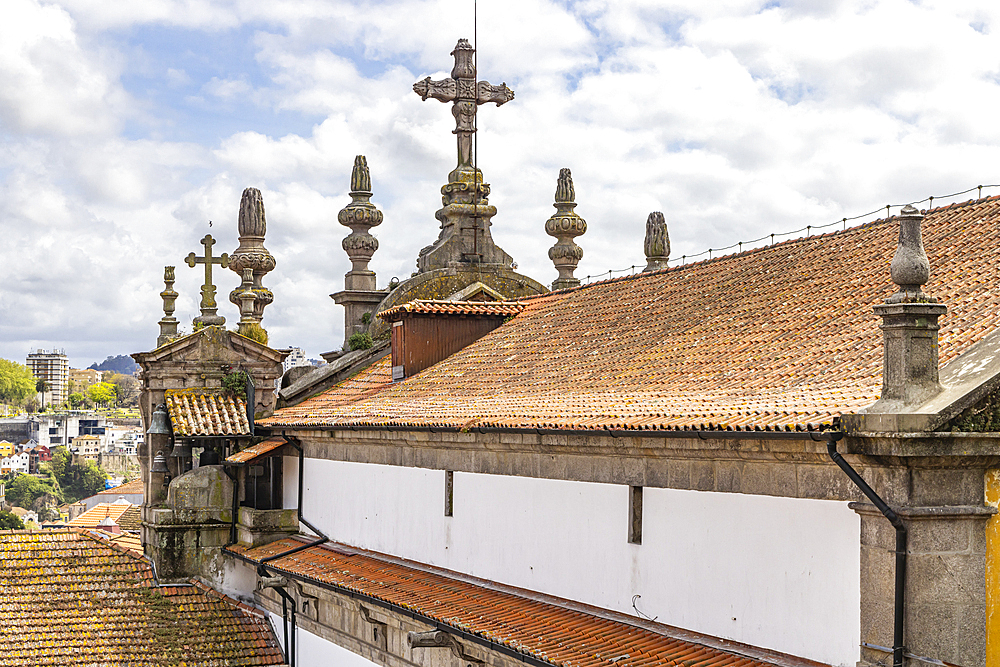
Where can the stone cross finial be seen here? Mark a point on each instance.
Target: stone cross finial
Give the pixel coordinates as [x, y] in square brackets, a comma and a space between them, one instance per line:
[466, 94]
[565, 225]
[209, 309]
[360, 216]
[251, 253]
[657, 243]
[910, 268]
[168, 325]
[465, 218]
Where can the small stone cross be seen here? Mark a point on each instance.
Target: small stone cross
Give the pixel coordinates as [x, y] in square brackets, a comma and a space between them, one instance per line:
[209, 309]
[466, 94]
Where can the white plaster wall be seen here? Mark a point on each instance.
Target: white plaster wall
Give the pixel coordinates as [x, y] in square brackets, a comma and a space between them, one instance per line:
[314, 651]
[779, 573]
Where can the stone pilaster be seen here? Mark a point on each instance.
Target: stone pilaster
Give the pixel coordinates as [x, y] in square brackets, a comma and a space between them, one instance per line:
[565, 225]
[945, 611]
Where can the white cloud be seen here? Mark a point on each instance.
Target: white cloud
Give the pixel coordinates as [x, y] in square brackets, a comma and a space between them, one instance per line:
[736, 119]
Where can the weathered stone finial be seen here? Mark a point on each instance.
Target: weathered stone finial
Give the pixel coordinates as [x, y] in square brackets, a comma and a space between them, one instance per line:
[565, 225]
[910, 268]
[168, 325]
[251, 253]
[657, 243]
[909, 325]
[360, 216]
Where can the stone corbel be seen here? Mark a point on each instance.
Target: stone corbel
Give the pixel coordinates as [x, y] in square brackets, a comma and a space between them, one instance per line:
[440, 639]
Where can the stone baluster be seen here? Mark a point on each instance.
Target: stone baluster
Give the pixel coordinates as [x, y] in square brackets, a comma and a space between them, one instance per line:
[251, 253]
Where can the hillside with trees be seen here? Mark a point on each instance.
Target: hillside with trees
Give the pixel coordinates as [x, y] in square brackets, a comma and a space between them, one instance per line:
[122, 364]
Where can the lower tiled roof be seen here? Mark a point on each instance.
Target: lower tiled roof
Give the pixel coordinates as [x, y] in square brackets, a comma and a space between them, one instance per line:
[68, 598]
[135, 486]
[779, 338]
[254, 452]
[206, 412]
[101, 511]
[536, 626]
[454, 308]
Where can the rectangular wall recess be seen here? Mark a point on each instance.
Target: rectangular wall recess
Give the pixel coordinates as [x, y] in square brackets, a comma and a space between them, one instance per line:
[635, 514]
[449, 492]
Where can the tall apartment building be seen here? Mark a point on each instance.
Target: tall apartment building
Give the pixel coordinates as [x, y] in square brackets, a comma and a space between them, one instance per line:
[53, 367]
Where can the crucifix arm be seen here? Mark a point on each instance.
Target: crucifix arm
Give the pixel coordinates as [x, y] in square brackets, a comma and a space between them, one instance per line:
[487, 92]
[191, 260]
[446, 90]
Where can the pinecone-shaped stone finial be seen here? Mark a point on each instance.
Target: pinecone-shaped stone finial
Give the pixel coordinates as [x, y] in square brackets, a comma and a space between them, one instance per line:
[251, 254]
[565, 225]
[360, 216]
[657, 244]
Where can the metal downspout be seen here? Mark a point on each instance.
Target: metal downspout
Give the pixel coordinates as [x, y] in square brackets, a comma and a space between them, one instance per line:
[899, 602]
[262, 564]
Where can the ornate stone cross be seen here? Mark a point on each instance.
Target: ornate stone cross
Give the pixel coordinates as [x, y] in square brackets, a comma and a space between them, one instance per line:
[209, 309]
[466, 94]
[466, 207]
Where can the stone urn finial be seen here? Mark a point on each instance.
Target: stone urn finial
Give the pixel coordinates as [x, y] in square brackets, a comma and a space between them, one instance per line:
[360, 216]
[910, 269]
[251, 254]
[657, 243]
[168, 325]
[565, 225]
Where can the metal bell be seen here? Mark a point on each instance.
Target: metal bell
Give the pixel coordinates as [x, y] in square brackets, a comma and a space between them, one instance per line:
[159, 464]
[161, 421]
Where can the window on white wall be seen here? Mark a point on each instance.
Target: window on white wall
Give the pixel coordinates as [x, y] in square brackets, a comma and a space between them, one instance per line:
[449, 492]
[635, 514]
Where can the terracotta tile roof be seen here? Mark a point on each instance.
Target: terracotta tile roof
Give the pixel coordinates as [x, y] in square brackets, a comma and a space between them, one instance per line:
[130, 519]
[99, 512]
[135, 486]
[783, 337]
[256, 451]
[468, 308]
[207, 412]
[67, 598]
[542, 627]
[126, 540]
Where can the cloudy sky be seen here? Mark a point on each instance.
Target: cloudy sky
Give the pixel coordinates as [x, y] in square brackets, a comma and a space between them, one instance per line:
[128, 125]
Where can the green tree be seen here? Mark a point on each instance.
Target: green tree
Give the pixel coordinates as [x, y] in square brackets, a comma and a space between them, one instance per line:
[75, 480]
[16, 382]
[126, 389]
[77, 400]
[101, 393]
[10, 521]
[26, 490]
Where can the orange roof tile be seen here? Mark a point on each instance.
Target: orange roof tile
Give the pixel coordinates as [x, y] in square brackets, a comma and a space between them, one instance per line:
[778, 338]
[68, 598]
[207, 412]
[256, 451]
[135, 486]
[99, 512]
[126, 540]
[467, 308]
[542, 627]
